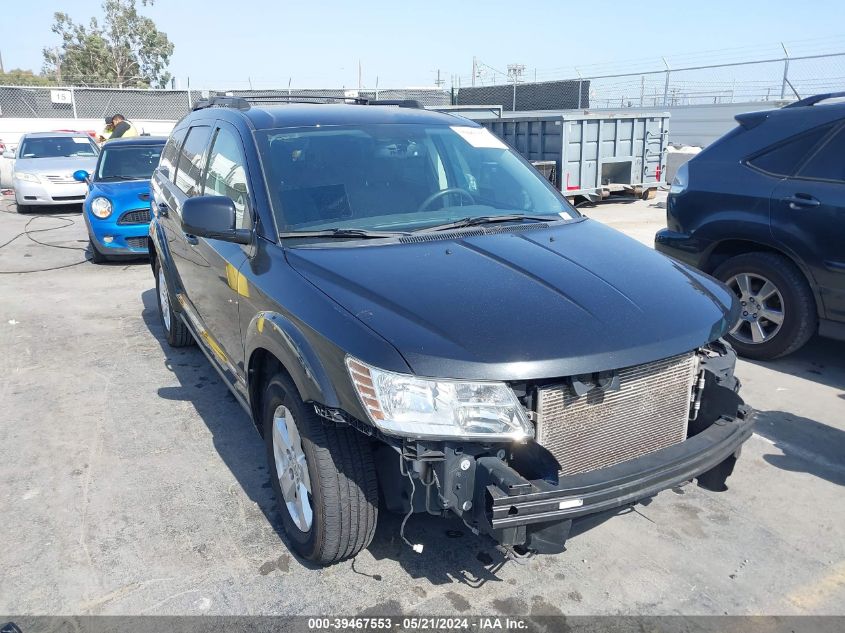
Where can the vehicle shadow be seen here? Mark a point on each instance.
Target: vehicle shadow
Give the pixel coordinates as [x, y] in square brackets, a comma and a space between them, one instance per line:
[234, 435]
[451, 552]
[820, 360]
[807, 446]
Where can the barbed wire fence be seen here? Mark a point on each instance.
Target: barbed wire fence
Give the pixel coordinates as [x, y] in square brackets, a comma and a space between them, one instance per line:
[773, 79]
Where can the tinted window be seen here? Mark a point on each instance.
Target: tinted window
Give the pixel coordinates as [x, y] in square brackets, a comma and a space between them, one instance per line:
[226, 175]
[829, 162]
[170, 155]
[398, 177]
[130, 162]
[190, 165]
[784, 158]
[57, 147]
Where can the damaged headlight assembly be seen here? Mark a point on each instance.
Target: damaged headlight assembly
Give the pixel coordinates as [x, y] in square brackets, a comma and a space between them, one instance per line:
[410, 406]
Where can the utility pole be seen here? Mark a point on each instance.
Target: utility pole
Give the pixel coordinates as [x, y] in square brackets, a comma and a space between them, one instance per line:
[2, 72]
[474, 70]
[515, 72]
[439, 82]
[359, 75]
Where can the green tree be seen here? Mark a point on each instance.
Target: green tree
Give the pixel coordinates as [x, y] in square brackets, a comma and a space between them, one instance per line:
[19, 77]
[126, 50]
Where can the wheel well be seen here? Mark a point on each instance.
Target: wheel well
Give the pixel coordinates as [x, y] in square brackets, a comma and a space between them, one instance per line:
[262, 365]
[731, 248]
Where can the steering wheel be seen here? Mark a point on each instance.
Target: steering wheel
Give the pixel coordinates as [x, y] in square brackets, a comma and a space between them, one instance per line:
[445, 192]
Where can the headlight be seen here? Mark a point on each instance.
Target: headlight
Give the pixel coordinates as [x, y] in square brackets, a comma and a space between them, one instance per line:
[400, 404]
[101, 207]
[22, 175]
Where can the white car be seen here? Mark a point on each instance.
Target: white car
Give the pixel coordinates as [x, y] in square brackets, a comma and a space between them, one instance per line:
[44, 166]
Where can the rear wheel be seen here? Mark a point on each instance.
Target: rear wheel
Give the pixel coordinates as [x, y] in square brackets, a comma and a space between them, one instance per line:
[778, 312]
[175, 330]
[323, 476]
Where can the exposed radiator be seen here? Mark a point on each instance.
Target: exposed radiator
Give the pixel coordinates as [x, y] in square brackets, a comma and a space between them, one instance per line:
[647, 410]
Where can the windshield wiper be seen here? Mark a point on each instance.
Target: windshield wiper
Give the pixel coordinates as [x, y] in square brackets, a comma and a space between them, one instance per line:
[118, 177]
[338, 232]
[487, 219]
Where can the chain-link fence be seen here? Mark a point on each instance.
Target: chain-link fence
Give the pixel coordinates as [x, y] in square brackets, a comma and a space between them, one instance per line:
[742, 82]
[167, 105]
[759, 80]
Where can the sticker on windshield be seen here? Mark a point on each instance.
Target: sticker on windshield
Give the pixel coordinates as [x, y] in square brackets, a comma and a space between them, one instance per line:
[81, 141]
[478, 137]
[565, 215]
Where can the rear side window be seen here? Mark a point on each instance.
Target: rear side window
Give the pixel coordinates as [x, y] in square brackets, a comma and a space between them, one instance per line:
[170, 155]
[783, 159]
[226, 175]
[828, 163]
[189, 169]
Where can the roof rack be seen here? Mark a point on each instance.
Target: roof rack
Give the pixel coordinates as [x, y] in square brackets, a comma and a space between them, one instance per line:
[808, 101]
[245, 103]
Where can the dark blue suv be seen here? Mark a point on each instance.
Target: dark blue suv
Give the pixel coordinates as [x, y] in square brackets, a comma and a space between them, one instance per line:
[411, 313]
[763, 210]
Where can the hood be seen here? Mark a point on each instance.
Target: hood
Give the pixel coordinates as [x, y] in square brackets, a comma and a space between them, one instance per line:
[542, 303]
[125, 192]
[61, 166]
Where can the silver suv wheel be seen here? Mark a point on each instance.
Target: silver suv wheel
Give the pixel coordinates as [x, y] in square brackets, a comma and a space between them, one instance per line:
[292, 468]
[762, 311]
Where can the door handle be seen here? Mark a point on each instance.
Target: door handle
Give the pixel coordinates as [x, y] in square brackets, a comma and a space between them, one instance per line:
[163, 209]
[800, 200]
[191, 239]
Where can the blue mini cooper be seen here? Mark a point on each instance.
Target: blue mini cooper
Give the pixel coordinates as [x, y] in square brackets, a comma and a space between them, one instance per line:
[117, 207]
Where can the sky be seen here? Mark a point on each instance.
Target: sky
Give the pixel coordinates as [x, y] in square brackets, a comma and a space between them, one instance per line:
[231, 44]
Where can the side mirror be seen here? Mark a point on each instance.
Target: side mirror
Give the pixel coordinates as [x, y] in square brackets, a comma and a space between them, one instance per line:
[8, 154]
[80, 175]
[212, 217]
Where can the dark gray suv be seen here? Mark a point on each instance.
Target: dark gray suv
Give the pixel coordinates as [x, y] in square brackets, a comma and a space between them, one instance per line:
[415, 318]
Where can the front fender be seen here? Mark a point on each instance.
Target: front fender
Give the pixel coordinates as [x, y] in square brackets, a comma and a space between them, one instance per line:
[282, 338]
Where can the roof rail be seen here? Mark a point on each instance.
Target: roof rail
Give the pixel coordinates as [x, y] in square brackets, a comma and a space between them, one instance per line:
[244, 103]
[808, 101]
[402, 103]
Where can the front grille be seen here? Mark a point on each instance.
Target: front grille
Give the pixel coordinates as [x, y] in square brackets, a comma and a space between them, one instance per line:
[68, 198]
[648, 412]
[61, 180]
[137, 242]
[136, 216]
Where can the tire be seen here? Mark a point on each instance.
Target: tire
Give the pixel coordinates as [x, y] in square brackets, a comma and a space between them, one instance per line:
[175, 330]
[799, 317]
[343, 495]
[649, 194]
[23, 209]
[96, 256]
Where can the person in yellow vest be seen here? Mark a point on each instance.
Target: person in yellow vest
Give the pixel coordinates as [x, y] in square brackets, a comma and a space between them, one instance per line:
[122, 128]
[103, 136]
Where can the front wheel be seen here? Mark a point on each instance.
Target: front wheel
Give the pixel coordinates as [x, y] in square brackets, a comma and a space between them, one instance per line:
[96, 256]
[778, 311]
[323, 476]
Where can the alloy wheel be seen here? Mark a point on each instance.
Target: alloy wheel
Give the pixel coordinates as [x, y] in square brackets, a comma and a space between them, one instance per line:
[762, 311]
[163, 299]
[292, 468]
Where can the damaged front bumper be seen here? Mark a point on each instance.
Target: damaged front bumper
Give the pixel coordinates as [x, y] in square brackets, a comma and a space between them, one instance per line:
[538, 514]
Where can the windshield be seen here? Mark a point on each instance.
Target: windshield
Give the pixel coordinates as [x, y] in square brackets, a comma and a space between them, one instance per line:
[398, 177]
[130, 162]
[57, 147]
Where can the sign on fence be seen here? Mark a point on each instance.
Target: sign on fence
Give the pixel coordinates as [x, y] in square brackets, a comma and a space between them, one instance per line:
[61, 97]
